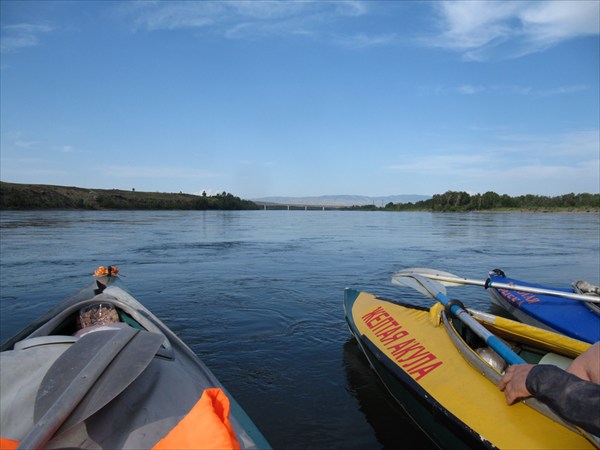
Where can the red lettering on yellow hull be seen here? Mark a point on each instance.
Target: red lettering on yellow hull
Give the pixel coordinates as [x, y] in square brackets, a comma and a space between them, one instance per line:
[410, 355]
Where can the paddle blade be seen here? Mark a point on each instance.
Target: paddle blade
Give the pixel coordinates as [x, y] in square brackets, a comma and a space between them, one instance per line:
[126, 367]
[92, 372]
[426, 287]
[445, 278]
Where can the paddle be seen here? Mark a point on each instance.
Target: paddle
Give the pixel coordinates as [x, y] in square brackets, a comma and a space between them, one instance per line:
[436, 290]
[86, 377]
[449, 279]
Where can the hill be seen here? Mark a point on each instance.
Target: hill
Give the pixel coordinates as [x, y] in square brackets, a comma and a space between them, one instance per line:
[342, 200]
[39, 196]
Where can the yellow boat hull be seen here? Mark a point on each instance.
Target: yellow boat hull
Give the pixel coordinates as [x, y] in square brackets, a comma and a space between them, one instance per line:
[412, 351]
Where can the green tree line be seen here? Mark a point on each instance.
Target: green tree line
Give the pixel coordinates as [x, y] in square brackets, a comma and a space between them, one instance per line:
[463, 201]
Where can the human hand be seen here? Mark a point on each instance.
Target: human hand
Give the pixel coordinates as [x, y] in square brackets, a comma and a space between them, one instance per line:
[513, 382]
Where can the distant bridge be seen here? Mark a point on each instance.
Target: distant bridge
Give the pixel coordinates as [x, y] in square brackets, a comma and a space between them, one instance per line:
[296, 207]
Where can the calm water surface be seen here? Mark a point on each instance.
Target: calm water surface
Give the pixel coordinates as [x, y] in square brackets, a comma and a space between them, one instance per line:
[258, 294]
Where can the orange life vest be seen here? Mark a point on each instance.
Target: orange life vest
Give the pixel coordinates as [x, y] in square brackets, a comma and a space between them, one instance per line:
[8, 444]
[206, 426]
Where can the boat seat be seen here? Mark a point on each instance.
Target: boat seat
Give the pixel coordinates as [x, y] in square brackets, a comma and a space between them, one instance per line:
[45, 340]
[556, 360]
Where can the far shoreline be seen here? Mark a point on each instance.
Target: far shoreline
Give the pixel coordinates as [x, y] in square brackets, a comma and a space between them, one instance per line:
[36, 197]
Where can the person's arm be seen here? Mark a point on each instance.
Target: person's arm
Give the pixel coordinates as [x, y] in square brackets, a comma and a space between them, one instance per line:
[587, 365]
[575, 400]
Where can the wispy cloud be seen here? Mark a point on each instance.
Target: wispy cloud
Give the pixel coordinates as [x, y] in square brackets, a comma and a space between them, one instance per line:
[255, 19]
[561, 90]
[24, 144]
[364, 40]
[573, 146]
[520, 90]
[69, 149]
[485, 30]
[503, 89]
[23, 169]
[125, 171]
[477, 175]
[573, 151]
[441, 163]
[469, 89]
[171, 15]
[221, 17]
[24, 161]
[19, 36]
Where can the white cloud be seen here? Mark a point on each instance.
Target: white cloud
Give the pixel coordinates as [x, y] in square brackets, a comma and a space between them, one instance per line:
[28, 173]
[124, 171]
[172, 15]
[439, 164]
[24, 144]
[469, 89]
[551, 22]
[575, 146]
[364, 40]
[483, 29]
[18, 36]
[513, 163]
[266, 10]
[560, 90]
[531, 178]
[69, 149]
[24, 161]
[222, 16]
[503, 89]
[251, 19]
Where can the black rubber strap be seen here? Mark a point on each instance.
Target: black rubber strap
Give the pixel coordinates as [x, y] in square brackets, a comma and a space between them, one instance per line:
[450, 304]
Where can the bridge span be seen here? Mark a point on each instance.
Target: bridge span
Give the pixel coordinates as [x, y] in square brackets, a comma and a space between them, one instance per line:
[296, 207]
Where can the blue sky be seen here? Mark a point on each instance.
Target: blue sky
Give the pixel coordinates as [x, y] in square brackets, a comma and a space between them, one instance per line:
[302, 98]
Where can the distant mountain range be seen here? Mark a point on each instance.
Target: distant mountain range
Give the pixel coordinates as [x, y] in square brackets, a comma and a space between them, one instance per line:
[342, 200]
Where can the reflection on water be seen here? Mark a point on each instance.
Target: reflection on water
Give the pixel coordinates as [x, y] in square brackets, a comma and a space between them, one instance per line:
[392, 426]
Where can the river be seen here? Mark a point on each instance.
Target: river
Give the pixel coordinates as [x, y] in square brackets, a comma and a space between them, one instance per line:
[258, 294]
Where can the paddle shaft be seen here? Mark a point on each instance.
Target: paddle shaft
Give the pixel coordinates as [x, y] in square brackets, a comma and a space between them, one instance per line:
[512, 287]
[505, 352]
[424, 281]
[490, 339]
[437, 291]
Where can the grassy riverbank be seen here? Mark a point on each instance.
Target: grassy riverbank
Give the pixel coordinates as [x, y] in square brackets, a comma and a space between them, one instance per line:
[37, 196]
[15, 196]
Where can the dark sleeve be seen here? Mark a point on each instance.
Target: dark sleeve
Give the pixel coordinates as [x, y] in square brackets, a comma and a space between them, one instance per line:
[575, 400]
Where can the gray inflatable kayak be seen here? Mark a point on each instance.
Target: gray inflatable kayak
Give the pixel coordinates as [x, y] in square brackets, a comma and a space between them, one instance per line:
[66, 382]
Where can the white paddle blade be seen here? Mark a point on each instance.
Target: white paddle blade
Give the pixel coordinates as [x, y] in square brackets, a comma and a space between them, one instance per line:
[408, 281]
[446, 278]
